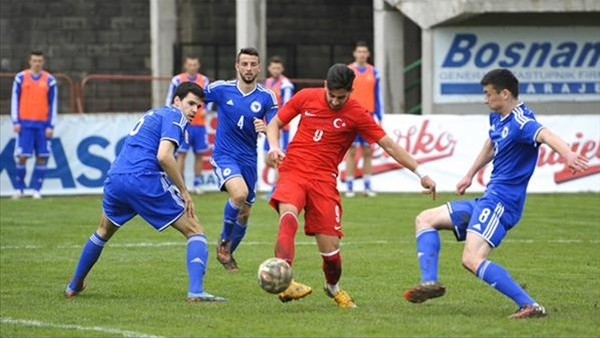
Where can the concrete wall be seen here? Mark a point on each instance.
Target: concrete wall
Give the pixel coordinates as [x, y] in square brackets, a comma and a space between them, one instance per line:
[308, 34]
[78, 38]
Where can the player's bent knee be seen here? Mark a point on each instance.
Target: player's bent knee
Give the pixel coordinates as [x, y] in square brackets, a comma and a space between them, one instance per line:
[106, 229]
[437, 218]
[470, 262]
[239, 198]
[424, 220]
[188, 227]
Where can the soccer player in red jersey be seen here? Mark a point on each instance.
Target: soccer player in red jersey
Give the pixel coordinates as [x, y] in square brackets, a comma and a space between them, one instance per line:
[330, 121]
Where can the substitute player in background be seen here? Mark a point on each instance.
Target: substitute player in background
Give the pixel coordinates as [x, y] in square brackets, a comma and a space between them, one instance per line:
[242, 106]
[145, 180]
[198, 138]
[283, 89]
[513, 144]
[368, 93]
[33, 112]
[308, 173]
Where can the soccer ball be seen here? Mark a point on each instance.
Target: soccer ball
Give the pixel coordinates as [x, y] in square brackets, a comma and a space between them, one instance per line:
[275, 275]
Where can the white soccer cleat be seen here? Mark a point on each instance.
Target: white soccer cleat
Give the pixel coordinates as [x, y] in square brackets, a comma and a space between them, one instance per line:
[370, 193]
[18, 195]
[197, 191]
[37, 195]
[350, 194]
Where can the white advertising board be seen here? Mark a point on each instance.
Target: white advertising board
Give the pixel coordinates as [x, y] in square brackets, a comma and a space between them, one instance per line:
[551, 63]
[445, 145]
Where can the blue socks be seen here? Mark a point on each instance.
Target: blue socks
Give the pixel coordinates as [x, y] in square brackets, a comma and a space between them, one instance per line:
[37, 179]
[367, 180]
[350, 183]
[239, 231]
[285, 140]
[198, 181]
[500, 279]
[20, 182]
[197, 258]
[428, 253]
[89, 256]
[230, 217]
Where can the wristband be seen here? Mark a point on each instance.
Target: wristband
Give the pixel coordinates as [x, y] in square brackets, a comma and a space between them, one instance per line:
[421, 175]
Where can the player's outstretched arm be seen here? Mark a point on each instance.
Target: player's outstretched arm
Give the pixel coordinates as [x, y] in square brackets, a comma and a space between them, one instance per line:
[574, 161]
[275, 155]
[485, 156]
[403, 157]
[167, 161]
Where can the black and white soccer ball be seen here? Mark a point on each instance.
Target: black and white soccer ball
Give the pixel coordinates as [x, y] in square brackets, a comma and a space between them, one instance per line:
[275, 275]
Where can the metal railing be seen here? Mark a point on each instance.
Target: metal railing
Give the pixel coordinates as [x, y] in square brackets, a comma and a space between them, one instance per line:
[126, 79]
[414, 85]
[60, 78]
[121, 92]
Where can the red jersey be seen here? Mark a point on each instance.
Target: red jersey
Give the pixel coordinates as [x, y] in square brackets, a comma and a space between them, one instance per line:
[324, 135]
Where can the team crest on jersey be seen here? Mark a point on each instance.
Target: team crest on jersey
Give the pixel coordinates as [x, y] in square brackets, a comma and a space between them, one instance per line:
[338, 123]
[255, 106]
[505, 132]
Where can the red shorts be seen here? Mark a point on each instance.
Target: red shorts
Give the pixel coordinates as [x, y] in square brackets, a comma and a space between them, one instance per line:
[320, 201]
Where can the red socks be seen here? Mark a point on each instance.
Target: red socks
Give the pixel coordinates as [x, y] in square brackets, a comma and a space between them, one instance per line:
[286, 240]
[332, 266]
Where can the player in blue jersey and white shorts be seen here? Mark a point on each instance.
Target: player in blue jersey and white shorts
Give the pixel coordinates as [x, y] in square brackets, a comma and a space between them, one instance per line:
[242, 104]
[513, 145]
[145, 180]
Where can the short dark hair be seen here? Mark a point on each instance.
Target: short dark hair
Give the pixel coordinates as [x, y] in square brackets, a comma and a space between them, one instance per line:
[276, 59]
[36, 53]
[191, 57]
[501, 79]
[248, 51]
[361, 44]
[188, 87]
[340, 76]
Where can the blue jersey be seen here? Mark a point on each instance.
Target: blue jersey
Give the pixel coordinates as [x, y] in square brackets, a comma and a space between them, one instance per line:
[236, 136]
[515, 154]
[138, 154]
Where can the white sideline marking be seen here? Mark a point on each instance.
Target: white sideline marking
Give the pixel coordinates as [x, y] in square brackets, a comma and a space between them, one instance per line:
[300, 243]
[35, 323]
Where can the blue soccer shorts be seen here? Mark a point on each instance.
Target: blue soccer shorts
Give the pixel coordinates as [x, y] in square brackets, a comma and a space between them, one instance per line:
[226, 168]
[360, 142]
[152, 196]
[486, 217]
[198, 140]
[32, 141]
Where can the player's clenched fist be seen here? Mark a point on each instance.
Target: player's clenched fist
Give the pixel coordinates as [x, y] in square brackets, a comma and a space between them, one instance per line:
[275, 157]
[260, 126]
[429, 185]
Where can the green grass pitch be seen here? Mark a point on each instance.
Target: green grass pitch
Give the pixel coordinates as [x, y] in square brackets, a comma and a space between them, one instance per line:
[139, 285]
